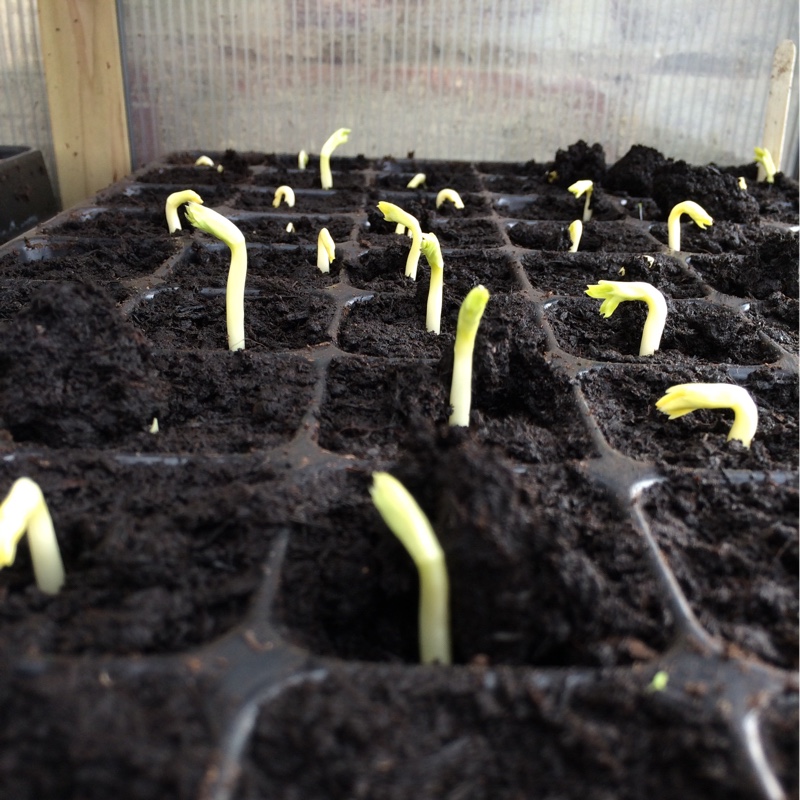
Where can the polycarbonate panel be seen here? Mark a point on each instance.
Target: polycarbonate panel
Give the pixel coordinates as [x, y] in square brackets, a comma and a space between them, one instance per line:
[24, 115]
[508, 79]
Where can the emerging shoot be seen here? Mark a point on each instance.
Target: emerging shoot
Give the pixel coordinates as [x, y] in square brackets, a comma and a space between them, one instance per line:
[24, 509]
[433, 254]
[764, 158]
[326, 250]
[175, 200]
[334, 140]
[469, 318]
[204, 161]
[742, 183]
[290, 228]
[615, 292]
[687, 397]
[450, 195]
[212, 222]
[417, 181]
[154, 425]
[400, 228]
[393, 213]
[284, 193]
[580, 188]
[575, 233]
[408, 523]
[302, 159]
[696, 212]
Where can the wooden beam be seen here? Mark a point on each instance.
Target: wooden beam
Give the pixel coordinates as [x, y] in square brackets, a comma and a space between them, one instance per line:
[780, 93]
[83, 70]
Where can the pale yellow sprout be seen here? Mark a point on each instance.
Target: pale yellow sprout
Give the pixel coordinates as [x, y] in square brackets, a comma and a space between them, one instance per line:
[204, 161]
[433, 255]
[326, 250]
[175, 200]
[334, 140]
[220, 168]
[695, 211]
[450, 195]
[764, 157]
[615, 292]
[742, 183]
[393, 213]
[687, 397]
[302, 159]
[416, 181]
[469, 318]
[212, 222]
[575, 233]
[407, 521]
[400, 228]
[154, 425]
[580, 188]
[283, 193]
[25, 509]
[290, 228]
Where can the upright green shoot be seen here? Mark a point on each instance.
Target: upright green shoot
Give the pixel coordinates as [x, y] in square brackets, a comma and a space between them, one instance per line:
[695, 211]
[334, 140]
[175, 200]
[408, 523]
[393, 213]
[469, 318]
[433, 255]
[24, 509]
[210, 221]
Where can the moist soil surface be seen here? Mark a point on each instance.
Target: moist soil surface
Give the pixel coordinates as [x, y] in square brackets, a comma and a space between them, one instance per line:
[237, 620]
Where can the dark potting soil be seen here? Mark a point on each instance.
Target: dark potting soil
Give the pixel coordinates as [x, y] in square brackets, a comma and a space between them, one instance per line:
[237, 621]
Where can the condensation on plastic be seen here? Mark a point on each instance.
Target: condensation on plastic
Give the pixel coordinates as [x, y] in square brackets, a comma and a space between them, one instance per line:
[24, 113]
[467, 79]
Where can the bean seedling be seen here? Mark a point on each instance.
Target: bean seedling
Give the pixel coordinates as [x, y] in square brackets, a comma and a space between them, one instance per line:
[393, 213]
[580, 188]
[450, 195]
[575, 233]
[210, 221]
[25, 509]
[175, 200]
[695, 211]
[764, 158]
[326, 250]
[469, 318]
[407, 521]
[283, 193]
[615, 292]
[433, 255]
[334, 140]
[416, 181]
[687, 397]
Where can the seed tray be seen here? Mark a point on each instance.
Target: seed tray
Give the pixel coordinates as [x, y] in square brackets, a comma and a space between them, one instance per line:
[237, 622]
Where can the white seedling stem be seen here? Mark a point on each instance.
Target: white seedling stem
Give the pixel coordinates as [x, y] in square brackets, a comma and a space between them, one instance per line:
[469, 318]
[450, 195]
[416, 181]
[433, 255]
[284, 193]
[393, 213]
[687, 397]
[408, 523]
[24, 509]
[575, 233]
[175, 200]
[334, 140]
[580, 188]
[302, 160]
[698, 214]
[326, 250]
[613, 293]
[210, 221]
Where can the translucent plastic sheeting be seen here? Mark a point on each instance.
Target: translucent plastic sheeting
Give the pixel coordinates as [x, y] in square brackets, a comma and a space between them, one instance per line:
[509, 79]
[24, 117]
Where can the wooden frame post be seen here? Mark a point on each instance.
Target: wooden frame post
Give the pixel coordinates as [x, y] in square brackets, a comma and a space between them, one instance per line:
[86, 94]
